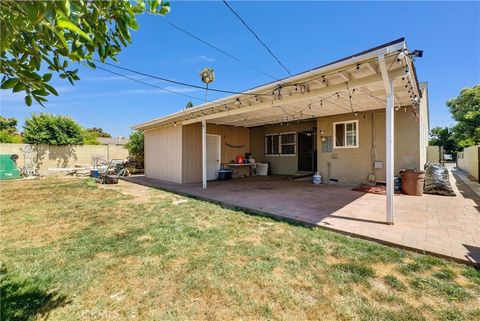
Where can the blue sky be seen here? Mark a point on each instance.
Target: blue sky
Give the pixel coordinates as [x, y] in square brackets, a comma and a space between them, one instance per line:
[302, 34]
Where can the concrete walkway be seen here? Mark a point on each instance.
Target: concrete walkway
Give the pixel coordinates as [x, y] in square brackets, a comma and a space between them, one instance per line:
[439, 225]
[465, 178]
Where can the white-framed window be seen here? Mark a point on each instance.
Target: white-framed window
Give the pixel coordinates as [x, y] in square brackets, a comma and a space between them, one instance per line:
[283, 144]
[345, 134]
[288, 144]
[271, 145]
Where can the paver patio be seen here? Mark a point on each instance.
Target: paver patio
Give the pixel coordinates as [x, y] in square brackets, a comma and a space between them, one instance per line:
[438, 225]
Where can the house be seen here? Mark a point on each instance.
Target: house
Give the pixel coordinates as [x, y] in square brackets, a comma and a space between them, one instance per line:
[120, 140]
[358, 119]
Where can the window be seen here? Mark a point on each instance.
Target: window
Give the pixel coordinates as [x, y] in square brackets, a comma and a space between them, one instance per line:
[287, 144]
[345, 134]
[271, 144]
[280, 144]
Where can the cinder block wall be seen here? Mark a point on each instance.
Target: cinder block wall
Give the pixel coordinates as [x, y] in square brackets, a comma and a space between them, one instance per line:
[43, 157]
[468, 160]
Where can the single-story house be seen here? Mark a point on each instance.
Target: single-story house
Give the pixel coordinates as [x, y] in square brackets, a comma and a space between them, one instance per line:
[359, 119]
[120, 140]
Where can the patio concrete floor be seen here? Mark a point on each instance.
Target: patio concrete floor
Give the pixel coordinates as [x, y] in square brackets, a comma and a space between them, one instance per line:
[439, 225]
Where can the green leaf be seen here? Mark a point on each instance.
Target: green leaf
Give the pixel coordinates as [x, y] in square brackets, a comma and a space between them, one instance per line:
[28, 100]
[18, 87]
[9, 83]
[51, 89]
[63, 22]
[47, 77]
[132, 22]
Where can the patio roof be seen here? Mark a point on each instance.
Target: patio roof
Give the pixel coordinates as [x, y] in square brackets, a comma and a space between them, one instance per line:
[353, 84]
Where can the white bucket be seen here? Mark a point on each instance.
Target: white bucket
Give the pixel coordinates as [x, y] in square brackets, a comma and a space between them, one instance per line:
[317, 179]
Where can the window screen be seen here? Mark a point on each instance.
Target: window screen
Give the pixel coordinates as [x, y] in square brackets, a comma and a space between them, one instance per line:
[271, 145]
[288, 143]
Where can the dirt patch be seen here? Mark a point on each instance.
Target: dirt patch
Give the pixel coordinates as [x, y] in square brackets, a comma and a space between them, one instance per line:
[141, 194]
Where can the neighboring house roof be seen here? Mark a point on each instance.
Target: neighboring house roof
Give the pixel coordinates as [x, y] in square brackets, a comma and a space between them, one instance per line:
[263, 104]
[113, 140]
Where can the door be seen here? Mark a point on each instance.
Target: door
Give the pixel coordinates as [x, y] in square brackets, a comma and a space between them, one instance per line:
[213, 156]
[306, 151]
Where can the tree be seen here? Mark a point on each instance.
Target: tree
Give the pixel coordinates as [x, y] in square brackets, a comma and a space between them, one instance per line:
[36, 34]
[465, 110]
[8, 125]
[10, 138]
[98, 132]
[443, 136]
[208, 76]
[52, 130]
[90, 138]
[135, 145]
[8, 131]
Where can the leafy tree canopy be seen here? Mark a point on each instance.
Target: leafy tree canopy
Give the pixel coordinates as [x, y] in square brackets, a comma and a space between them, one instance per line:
[98, 132]
[135, 145]
[465, 110]
[443, 136]
[8, 125]
[52, 130]
[52, 33]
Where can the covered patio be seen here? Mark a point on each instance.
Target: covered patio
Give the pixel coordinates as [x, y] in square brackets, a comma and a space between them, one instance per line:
[439, 225]
[381, 81]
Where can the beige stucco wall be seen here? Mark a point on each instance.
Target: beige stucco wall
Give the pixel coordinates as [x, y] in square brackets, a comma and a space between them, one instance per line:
[44, 157]
[424, 125]
[468, 160]
[163, 153]
[285, 165]
[237, 138]
[353, 165]
[433, 154]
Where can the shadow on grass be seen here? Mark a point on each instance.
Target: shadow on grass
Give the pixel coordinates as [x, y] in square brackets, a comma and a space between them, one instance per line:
[23, 299]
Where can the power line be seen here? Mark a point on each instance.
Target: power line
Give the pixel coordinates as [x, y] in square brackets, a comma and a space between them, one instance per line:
[256, 36]
[151, 85]
[218, 49]
[180, 82]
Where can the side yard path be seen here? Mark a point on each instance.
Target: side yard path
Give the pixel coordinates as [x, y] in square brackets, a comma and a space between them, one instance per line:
[72, 250]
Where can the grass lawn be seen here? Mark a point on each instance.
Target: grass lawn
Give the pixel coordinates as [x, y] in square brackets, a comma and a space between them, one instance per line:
[72, 250]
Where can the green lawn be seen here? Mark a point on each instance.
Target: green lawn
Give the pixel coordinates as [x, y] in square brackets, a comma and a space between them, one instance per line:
[71, 250]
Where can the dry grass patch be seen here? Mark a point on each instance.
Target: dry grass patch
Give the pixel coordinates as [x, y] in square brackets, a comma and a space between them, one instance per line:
[75, 250]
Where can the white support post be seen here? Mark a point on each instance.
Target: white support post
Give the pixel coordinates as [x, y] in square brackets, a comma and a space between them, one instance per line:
[390, 153]
[204, 153]
[389, 141]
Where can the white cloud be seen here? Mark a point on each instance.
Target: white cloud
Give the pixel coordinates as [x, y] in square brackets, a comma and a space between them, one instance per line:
[199, 58]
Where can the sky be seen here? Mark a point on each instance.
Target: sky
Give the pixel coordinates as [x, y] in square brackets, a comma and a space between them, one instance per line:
[303, 35]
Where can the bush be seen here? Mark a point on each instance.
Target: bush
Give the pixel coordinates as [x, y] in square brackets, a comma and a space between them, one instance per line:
[7, 138]
[52, 129]
[135, 145]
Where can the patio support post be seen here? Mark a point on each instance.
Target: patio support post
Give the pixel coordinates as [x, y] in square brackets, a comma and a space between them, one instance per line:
[204, 153]
[389, 141]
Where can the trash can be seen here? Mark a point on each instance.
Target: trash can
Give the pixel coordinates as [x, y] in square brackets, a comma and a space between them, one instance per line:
[412, 182]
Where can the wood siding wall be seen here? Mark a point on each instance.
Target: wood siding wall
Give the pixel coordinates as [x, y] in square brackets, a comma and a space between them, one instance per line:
[163, 154]
[192, 147]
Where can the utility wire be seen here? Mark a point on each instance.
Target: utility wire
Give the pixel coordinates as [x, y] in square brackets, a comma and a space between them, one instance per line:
[146, 83]
[180, 82]
[218, 49]
[256, 36]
